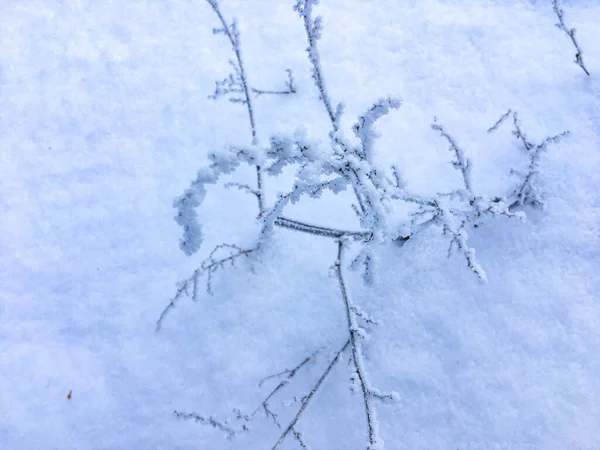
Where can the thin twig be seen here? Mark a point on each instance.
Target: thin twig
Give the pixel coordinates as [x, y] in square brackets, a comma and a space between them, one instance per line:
[233, 35]
[290, 374]
[519, 133]
[243, 187]
[571, 33]
[290, 87]
[259, 92]
[208, 421]
[317, 230]
[462, 163]
[313, 33]
[265, 403]
[527, 192]
[183, 289]
[211, 265]
[353, 329]
[264, 406]
[298, 437]
[499, 121]
[309, 397]
[208, 266]
[313, 30]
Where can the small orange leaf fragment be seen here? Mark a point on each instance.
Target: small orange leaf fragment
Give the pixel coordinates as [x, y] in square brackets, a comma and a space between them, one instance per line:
[69, 395]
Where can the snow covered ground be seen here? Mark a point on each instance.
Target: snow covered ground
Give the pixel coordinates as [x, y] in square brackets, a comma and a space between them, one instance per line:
[104, 120]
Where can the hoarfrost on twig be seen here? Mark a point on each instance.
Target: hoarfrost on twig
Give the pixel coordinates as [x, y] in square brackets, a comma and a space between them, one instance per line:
[561, 25]
[334, 166]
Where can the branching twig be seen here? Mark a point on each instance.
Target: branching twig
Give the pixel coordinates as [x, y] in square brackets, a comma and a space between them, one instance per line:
[290, 373]
[265, 403]
[264, 406]
[243, 187]
[309, 397]
[300, 188]
[290, 87]
[571, 33]
[519, 133]
[459, 237]
[527, 191]
[334, 167]
[211, 264]
[356, 334]
[223, 426]
[232, 33]
[183, 289]
[461, 162]
[313, 30]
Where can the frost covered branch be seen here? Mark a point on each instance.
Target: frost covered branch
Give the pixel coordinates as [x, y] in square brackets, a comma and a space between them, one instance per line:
[335, 165]
[502, 118]
[209, 266]
[212, 264]
[461, 162]
[313, 29]
[183, 289]
[246, 419]
[570, 32]
[223, 426]
[527, 192]
[357, 333]
[296, 225]
[265, 405]
[236, 86]
[289, 84]
[453, 210]
[306, 400]
[364, 128]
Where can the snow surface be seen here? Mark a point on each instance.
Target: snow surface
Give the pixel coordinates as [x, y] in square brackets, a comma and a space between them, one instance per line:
[104, 120]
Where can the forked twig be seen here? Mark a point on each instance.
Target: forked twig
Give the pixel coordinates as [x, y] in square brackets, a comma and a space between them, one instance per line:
[232, 33]
[289, 83]
[309, 397]
[183, 289]
[264, 406]
[461, 162]
[343, 163]
[527, 192]
[356, 348]
[209, 266]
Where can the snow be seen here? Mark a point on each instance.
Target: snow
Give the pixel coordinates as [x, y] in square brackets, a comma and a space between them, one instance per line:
[105, 119]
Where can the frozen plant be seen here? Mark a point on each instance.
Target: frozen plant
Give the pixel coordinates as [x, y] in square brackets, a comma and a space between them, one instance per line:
[570, 32]
[527, 190]
[243, 420]
[342, 163]
[237, 88]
